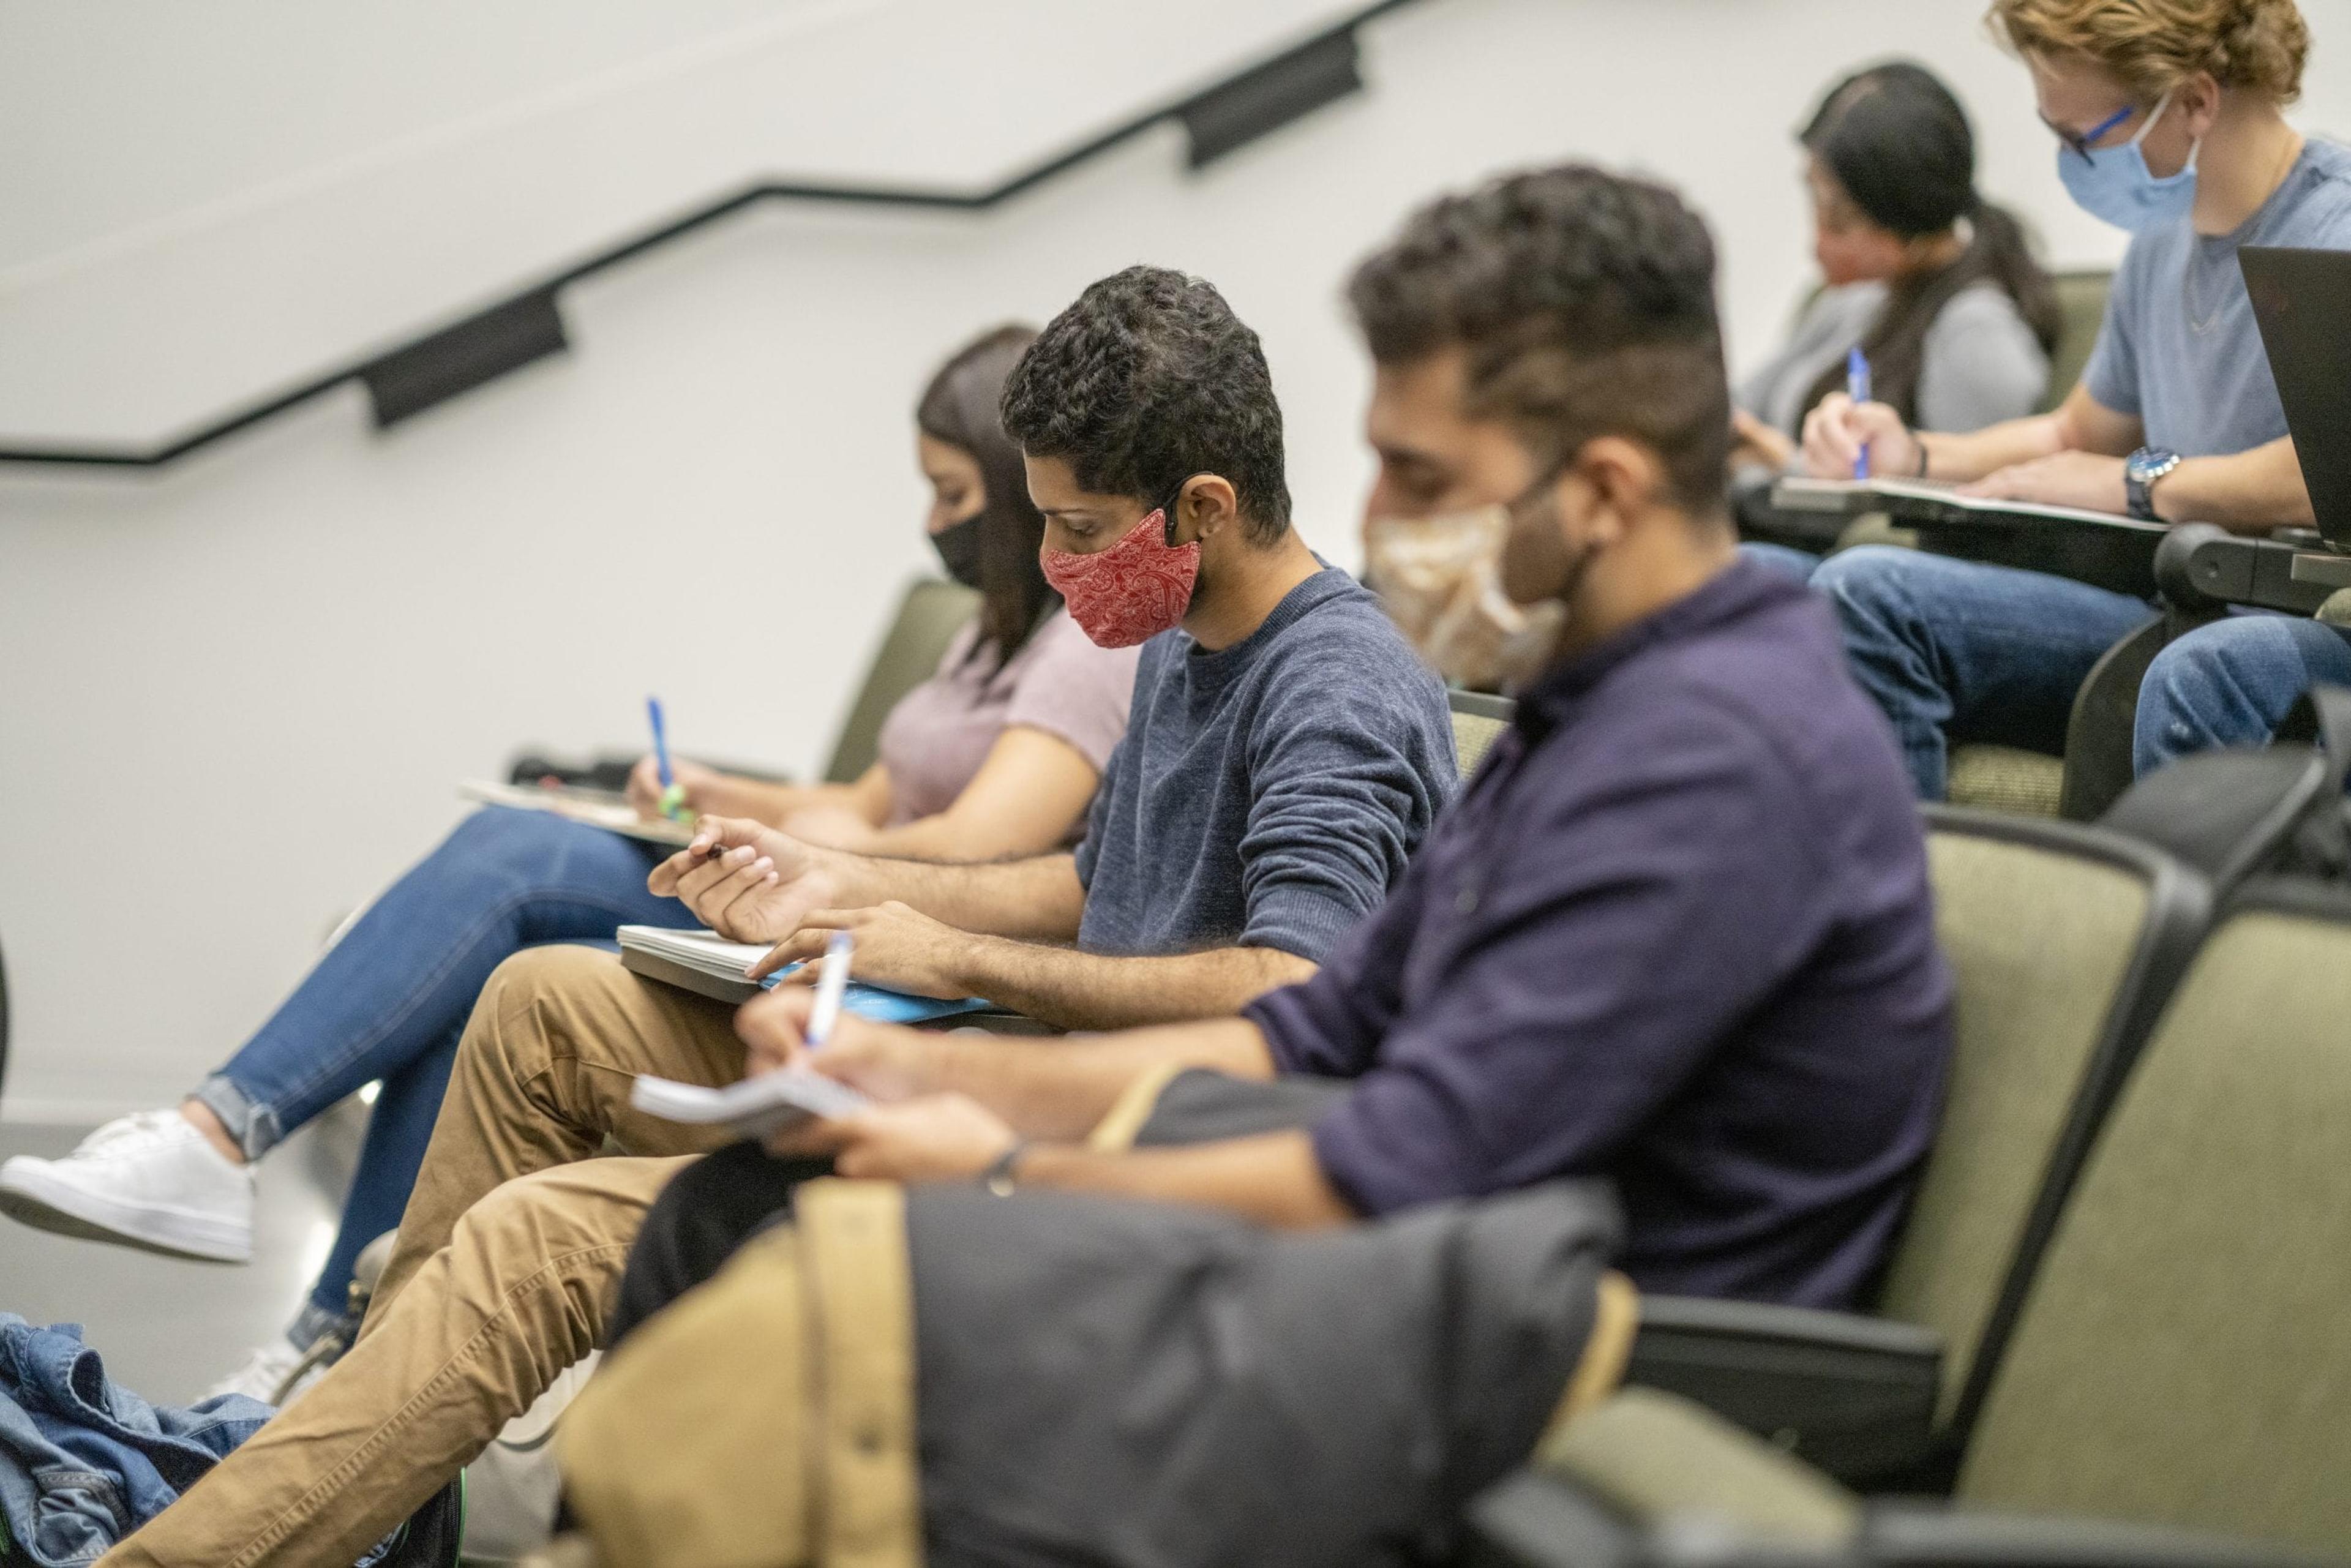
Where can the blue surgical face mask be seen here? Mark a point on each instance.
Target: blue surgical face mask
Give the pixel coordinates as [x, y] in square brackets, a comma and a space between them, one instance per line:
[2113, 183]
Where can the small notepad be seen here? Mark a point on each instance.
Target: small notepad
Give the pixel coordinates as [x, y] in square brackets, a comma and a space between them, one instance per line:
[753, 1107]
[707, 964]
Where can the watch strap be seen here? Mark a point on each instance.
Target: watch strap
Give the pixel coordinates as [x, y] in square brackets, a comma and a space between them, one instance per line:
[2141, 470]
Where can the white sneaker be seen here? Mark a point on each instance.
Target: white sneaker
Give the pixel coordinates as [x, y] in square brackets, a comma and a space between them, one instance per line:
[150, 1180]
[265, 1373]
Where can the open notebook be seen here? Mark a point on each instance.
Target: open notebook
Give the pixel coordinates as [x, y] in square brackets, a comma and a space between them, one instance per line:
[752, 1107]
[708, 965]
[593, 807]
[1925, 501]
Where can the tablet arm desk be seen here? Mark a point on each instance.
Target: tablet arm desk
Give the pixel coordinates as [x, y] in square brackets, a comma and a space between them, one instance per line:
[2199, 567]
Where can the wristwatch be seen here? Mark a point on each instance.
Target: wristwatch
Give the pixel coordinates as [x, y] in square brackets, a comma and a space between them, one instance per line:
[2141, 469]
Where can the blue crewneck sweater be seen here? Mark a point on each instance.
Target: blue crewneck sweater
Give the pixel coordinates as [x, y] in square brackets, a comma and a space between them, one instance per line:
[1268, 794]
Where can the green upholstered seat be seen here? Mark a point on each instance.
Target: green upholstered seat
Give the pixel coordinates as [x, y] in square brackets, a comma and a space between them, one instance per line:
[2006, 780]
[2063, 942]
[2181, 1357]
[2042, 933]
[2081, 298]
[928, 617]
[2176, 1390]
[1658, 1457]
[1478, 719]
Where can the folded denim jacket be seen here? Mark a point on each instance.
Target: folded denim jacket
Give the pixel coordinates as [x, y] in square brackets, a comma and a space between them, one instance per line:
[84, 1462]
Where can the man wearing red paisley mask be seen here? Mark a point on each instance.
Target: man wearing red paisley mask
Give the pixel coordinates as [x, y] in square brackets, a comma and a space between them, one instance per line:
[1285, 749]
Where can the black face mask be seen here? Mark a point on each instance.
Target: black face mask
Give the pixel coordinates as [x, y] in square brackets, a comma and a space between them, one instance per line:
[959, 546]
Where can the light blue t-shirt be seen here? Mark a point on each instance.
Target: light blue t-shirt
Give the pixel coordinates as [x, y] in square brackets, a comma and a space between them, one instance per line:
[2179, 348]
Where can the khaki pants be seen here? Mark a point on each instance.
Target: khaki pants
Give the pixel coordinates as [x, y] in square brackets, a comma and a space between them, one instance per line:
[508, 1255]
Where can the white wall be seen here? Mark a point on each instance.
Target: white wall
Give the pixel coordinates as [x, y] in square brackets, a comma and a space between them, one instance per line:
[234, 696]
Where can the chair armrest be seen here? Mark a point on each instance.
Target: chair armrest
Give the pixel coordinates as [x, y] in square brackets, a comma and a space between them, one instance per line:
[1905, 1535]
[1855, 1396]
[2201, 567]
[1533, 1520]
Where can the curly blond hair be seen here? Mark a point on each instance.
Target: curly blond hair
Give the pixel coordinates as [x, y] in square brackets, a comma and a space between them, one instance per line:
[2154, 45]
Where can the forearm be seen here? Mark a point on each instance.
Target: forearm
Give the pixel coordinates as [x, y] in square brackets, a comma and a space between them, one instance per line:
[2245, 492]
[1038, 900]
[938, 838]
[1072, 989]
[1273, 1179]
[1962, 458]
[772, 804]
[1059, 1090]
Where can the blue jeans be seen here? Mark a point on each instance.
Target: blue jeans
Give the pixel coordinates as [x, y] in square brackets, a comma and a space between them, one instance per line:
[1956, 651]
[2231, 683]
[388, 1003]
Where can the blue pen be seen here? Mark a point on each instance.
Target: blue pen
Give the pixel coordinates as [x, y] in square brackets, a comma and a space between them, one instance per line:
[673, 801]
[1856, 387]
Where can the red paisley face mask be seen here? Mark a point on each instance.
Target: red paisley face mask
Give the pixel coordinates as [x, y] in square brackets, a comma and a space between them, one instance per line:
[1132, 592]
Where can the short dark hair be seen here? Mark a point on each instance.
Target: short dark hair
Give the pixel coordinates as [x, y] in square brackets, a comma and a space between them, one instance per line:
[1146, 380]
[1584, 303]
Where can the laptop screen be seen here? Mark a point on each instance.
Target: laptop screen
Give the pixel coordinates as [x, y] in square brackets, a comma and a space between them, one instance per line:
[2302, 299]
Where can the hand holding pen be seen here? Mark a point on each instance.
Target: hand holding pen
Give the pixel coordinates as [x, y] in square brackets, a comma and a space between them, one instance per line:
[1856, 387]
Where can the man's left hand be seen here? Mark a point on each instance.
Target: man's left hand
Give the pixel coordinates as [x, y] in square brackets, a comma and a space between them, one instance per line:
[898, 949]
[2082, 479]
[937, 1138]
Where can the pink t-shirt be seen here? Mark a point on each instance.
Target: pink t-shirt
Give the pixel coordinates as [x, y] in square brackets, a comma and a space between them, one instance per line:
[936, 738]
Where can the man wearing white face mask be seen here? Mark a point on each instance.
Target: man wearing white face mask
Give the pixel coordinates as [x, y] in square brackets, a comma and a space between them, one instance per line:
[1676, 933]
[2169, 120]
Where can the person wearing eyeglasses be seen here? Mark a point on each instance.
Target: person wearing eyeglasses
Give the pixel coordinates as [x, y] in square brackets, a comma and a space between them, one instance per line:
[2169, 121]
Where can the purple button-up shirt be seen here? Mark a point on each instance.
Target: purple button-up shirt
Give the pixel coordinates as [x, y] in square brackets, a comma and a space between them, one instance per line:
[1678, 933]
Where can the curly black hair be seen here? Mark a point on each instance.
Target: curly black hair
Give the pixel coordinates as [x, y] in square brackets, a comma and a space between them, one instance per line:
[1585, 301]
[1146, 380]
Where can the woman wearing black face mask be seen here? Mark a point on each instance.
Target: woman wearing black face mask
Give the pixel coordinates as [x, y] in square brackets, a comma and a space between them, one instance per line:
[1005, 743]
[996, 755]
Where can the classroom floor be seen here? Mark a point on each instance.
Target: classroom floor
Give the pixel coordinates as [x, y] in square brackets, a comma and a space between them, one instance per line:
[167, 1328]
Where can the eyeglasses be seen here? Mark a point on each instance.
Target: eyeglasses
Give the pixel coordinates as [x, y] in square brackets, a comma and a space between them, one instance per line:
[2088, 139]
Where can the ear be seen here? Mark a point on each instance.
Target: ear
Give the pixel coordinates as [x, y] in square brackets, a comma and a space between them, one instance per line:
[1206, 506]
[2198, 103]
[1622, 478]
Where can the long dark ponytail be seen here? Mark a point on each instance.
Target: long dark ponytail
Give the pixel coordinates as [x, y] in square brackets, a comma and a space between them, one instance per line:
[1897, 140]
[959, 407]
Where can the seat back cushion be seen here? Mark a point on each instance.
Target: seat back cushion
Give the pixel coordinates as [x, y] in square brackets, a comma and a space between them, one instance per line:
[1473, 736]
[2182, 1357]
[928, 618]
[2007, 779]
[2081, 298]
[2039, 941]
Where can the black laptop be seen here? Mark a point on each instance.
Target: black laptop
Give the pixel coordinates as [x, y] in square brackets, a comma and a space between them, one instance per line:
[2303, 300]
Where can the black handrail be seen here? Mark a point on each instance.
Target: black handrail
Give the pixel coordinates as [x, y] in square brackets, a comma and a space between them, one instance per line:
[526, 325]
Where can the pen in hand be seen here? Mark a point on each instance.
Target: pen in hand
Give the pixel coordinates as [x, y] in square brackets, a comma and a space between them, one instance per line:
[832, 980]
[1856, 387]
[673, 799]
